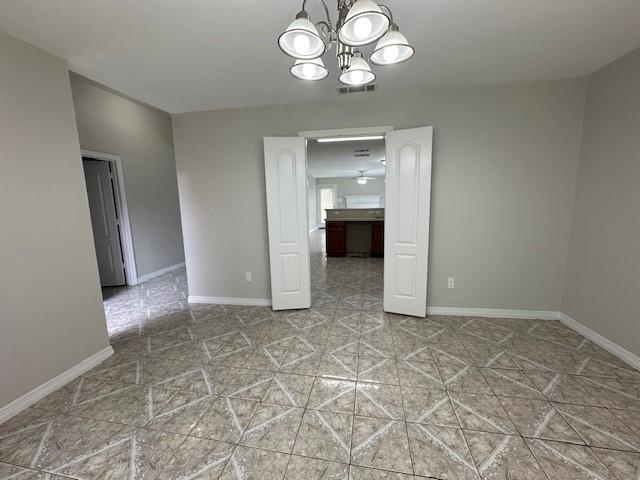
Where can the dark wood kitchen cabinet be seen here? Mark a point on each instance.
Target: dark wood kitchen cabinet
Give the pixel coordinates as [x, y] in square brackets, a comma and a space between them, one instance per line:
[337, 232]
[377, 239]
[336, 239]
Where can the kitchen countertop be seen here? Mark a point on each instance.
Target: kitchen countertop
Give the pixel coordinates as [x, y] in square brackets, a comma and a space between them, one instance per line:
[347, 219]
[375, 214]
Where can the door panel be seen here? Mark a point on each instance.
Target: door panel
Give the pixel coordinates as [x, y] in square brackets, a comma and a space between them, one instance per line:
[104, 222]
[408, 199]
[286, 184]
[290, 272]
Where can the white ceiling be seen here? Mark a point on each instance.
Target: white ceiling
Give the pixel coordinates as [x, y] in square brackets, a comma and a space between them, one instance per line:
[325, 160]
[195, 55]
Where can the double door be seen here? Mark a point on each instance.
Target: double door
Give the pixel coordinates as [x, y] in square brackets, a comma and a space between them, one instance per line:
[406, 228]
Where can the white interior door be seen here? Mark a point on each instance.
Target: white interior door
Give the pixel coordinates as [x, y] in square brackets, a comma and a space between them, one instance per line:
[286, 180]
[104, 221]
[408, 201]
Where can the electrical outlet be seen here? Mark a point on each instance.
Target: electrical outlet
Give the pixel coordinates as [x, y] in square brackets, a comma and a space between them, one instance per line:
[247, 276]
[451, 282]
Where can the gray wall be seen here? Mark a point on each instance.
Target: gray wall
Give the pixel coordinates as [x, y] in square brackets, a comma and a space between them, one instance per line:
[346, 186]
[504, 169]
[52, 316]
[142, 136]
[602, 289]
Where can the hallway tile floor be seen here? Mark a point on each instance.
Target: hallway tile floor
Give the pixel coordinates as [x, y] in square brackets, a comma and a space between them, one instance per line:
[340, 391]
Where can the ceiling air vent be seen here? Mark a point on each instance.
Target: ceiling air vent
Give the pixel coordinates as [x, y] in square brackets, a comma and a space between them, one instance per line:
[364, 88]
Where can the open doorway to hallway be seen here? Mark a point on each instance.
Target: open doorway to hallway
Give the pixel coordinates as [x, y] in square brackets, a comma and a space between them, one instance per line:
[105, 221]
[110, 223]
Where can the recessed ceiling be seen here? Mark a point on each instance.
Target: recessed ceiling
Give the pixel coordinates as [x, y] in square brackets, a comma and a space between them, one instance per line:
[196, 55]
[345, 159]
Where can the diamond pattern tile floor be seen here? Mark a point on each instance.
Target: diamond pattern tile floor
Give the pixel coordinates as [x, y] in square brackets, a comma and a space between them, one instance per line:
[341, 391]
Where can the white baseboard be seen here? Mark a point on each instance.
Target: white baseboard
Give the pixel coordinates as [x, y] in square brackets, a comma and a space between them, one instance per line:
[596, 338]
[494, 313]
[148, 276]
[262, 302]
[52, 385]
[458, 311]
[611, 347]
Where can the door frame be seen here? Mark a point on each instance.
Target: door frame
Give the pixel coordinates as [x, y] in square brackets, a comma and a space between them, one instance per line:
[339, 132]
[374, 130]
[319, 186]
[126, 237]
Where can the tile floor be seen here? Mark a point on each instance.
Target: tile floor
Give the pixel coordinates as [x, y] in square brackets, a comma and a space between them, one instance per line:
[340, 391]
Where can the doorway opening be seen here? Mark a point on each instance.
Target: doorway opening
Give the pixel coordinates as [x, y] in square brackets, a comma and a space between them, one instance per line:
[347, 250]
[109, 219]
[404, 209]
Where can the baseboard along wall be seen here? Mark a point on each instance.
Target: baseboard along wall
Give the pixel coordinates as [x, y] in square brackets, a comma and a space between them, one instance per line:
[148, 276]
[54, 384]
[260, 302]
[610, 346]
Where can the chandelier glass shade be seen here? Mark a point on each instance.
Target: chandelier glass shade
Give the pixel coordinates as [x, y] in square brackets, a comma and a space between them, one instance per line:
[360, 23]
[365, 23]
[309, 69]
[301, 39]
[391, 49]
[359, 73]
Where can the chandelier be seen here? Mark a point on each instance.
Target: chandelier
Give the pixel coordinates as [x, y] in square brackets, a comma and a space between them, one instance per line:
[360, 23]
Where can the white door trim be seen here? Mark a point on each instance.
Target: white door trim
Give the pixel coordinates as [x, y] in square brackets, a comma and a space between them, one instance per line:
[338, 132]
[122, 206]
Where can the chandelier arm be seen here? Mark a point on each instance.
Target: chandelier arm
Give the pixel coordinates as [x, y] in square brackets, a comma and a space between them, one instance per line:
[390, 13]
[326, 11]
[326, 28]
